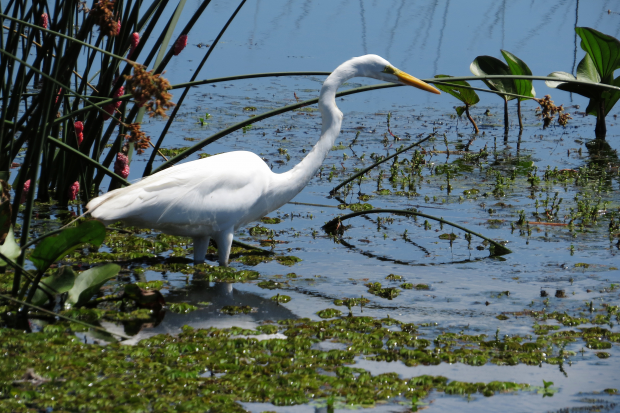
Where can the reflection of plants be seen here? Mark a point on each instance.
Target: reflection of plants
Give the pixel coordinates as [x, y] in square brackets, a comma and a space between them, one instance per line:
[596, 68]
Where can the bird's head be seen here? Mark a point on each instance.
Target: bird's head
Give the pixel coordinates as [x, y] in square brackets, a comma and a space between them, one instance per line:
[377, 67]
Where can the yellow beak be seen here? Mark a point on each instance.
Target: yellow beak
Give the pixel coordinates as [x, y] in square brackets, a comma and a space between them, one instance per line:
[415, 82]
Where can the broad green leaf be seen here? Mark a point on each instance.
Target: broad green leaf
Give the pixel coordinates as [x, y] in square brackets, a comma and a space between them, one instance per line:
[465, 95]
[53, 248]
[62, 282]
[586, 72]
[518, 67]
[89, 282]
[609, 96]
[10, 248]
[603, 49]
[488, 65]
[460, 110]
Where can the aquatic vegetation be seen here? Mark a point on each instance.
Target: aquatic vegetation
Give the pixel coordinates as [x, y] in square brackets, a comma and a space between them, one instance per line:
[281, 298]
[597, 67]
[465, 95]
[227, 365]
[383, 292]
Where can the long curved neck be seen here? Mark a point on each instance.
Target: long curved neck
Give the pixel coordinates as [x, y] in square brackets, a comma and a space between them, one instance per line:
[289, 184]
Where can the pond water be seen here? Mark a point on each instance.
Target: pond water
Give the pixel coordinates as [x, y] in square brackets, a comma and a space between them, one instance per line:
[467, 289]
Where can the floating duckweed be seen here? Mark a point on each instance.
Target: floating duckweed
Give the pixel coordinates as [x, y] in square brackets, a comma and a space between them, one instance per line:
[182, 308]
[270, 285]
[422, 287]
[394, 277]
[329, 313]
[235, 309]
[351, 302]
[502, 317]
[151, 285]
[603, 355]
[281, 298]
[258, 231]
[270, 221]
[406, 286]
[288, 260]
[267, 329]
[598, 345]
[379, 291]
[450, 236]
[359, 207]
[231, 361]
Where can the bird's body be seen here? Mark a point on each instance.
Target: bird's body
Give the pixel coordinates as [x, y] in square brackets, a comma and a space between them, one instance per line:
[213, 197]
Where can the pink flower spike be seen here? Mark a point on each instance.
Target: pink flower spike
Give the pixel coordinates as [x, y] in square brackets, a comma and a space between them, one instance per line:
[44, 21]
[180, 44]
[80, 138]
[74, 191]
[25, 192]
[118, 28]
[135, 40]
[79, 127]
[111, 107]
[121, 165]
[59, 93]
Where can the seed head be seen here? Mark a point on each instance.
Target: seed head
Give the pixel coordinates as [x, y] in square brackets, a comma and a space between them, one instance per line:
[104, 18]
[138, 138]
[44, 21]
[150, 90]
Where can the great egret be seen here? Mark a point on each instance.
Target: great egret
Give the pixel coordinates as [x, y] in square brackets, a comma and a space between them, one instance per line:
[213, 197]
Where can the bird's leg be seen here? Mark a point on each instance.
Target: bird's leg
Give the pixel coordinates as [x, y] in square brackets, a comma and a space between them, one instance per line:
[201, 244]
[224, 243]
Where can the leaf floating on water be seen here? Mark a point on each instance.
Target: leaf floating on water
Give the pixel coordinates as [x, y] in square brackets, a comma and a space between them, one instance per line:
[450, 237]
[329, 313]
[235, 309]
[180, 308]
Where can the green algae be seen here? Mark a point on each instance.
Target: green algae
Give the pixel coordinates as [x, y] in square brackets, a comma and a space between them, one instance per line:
[270, 221]
[270, 284]
[181, 308]
[281, 298]
[329, 313]
[288, 260]
[213, 369]
[383, 292]
[236, 309]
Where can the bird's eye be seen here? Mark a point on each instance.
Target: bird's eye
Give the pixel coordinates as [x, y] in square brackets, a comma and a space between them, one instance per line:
[389, 69]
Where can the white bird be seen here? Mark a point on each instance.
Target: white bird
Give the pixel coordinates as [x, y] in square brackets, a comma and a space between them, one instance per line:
[213, 197]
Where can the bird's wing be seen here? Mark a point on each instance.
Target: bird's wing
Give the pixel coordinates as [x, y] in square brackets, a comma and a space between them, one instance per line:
[210, 191]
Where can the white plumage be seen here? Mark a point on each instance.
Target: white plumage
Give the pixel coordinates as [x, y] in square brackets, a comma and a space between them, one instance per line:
[215, 196]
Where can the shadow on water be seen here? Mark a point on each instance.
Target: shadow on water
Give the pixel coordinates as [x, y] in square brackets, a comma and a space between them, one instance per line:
[218, 295]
